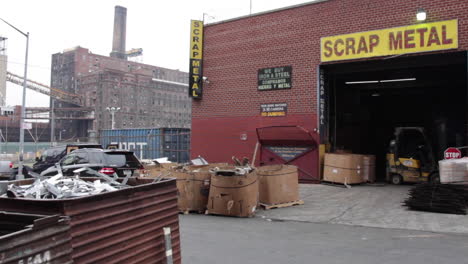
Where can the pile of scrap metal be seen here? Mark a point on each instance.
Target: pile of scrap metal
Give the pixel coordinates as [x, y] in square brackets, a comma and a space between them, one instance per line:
[439, 198]
[63, 187]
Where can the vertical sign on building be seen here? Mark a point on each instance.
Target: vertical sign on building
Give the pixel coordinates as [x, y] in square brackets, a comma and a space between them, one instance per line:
[323, 114]
[196, 59]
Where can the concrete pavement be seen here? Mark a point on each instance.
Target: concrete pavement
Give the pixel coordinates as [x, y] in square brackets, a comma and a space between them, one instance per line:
[228, 240]
[364, 205]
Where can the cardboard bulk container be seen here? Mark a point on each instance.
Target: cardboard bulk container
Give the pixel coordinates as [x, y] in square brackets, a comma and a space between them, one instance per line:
[453, 170]
[193, 185]
[235, 195]
[278, 184]
[343, 168]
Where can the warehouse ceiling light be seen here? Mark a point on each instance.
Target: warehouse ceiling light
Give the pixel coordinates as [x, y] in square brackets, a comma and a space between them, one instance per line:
[399, 80]
[421, 14]
[383, 81]
[361, 82]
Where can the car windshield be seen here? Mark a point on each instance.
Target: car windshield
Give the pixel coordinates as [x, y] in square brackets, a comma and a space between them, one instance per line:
[121, 159]
[52, 153]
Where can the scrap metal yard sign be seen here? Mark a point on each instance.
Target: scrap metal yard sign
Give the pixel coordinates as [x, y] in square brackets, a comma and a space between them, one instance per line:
[196, 59]
[393, 41]
[274, 78]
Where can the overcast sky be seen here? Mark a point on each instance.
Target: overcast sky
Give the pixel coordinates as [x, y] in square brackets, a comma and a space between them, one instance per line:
[161, 28]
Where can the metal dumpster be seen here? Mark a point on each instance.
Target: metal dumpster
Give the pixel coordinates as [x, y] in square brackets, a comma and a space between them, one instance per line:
[26, 238]
[124, 226]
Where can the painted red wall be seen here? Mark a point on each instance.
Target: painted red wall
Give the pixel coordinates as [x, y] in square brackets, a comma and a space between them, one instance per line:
[218, 139]
[235, 50]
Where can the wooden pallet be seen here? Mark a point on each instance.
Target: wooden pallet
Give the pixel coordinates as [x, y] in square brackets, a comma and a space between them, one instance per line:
[273, 206]
[342, 185]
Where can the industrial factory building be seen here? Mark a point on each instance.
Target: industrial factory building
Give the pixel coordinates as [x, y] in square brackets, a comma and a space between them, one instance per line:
[289, 84]
[141, 95]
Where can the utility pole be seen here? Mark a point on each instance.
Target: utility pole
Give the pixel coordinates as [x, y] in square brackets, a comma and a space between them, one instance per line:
[20, 175]
[52, 122]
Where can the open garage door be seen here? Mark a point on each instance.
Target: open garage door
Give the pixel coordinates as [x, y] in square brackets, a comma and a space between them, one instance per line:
[366, 101]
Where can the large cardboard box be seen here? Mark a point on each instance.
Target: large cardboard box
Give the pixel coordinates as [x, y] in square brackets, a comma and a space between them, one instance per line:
[368, 168]
[343, 168]
[233, 195]
[193, 189]
[453, 171]
[278, 184]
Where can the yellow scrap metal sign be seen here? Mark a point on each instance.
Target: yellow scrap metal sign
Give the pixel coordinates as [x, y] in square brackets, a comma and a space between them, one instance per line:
[196, 59]
[393, 41]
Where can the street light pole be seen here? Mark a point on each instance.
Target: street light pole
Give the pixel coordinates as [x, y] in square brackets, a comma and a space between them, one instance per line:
[20, 175]
[112, 111]
[113, 120]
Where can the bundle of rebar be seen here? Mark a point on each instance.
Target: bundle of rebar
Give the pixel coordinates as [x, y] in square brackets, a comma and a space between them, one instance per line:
[439, 198]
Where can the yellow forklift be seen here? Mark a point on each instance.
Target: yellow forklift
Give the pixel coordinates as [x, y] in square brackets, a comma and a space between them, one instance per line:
[410, 157]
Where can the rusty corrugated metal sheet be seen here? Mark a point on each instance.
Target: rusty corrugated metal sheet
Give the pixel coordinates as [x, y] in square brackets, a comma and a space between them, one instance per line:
[124, 226]
[26, 238]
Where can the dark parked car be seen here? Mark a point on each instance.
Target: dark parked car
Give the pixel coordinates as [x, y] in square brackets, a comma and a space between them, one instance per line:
[107, 161]
[51, 156]
[55, 154]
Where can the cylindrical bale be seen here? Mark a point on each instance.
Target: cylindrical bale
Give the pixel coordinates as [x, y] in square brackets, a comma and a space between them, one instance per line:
[193, 188]
[233, 195]
[278, 184]
[193, 185]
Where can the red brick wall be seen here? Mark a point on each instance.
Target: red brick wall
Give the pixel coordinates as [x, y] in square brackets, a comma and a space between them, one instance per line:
[235, 50]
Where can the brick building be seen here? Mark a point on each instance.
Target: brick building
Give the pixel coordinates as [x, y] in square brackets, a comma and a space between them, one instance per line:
[148, 96]
[339, 93]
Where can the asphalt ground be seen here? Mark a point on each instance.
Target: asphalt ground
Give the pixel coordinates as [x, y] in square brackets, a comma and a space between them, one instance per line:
[215, 239]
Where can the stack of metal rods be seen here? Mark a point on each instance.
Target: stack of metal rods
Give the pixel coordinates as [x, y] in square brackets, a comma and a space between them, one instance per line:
[439, 198]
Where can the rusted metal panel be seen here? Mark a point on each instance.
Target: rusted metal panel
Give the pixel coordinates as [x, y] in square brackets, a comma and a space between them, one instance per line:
[291, 145]
[26, 238]
[124, 226]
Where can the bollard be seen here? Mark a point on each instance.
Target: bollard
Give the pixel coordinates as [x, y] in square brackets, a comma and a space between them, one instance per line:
[168, 244]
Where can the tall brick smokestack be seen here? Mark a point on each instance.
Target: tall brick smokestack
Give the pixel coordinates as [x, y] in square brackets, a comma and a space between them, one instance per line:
[120, 27]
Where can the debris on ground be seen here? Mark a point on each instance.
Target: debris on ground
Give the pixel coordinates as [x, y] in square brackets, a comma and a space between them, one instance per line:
[237, 162]
[439, 198]
[199, 161]
[231, 171]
